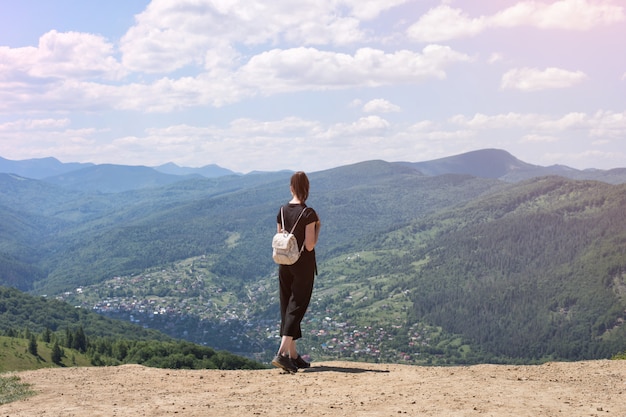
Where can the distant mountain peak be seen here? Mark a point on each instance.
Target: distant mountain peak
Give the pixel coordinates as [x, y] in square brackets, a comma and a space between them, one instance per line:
[500, 164]
[167, 165]
[208, 171]
[39, 168]
[485, 163]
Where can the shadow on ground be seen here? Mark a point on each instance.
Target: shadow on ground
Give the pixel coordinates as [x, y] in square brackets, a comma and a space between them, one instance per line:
[348, 370]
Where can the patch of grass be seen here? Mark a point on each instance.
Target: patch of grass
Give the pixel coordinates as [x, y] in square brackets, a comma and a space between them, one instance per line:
[14, 356]
[11, 389]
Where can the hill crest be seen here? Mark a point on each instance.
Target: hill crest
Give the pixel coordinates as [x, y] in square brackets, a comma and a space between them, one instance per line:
[483, 163]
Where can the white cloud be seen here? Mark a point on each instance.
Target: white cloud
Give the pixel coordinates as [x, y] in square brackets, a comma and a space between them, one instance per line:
[43, 138]
[309, 68]
[60, 96]
[270, 72]
[380, 106]
[368, 9]
[362, 127]
[171, 35]
[34, 124]
[563, 14]
[287, 126]
[291, 70]
[61, 55]
[65, 71]
[608, 125]
[498, 121]
[293, 140]
[257, 143]
[533, 79]
[495, 57]
[423, 125]
[535, 138]
[574, 120]
[444, 23]
[296, 76]
[447, 135]
[355, 103]
[602, 124]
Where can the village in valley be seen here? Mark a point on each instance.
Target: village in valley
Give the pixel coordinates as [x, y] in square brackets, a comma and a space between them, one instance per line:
[185, 301]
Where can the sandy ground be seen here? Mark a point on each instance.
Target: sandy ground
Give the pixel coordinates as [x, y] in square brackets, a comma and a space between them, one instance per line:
[592, 388]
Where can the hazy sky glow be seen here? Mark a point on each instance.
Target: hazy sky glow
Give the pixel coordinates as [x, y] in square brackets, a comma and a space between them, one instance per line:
[312, 84]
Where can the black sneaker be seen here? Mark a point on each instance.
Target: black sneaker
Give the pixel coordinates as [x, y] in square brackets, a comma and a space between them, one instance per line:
[285, 363]
[301, 363]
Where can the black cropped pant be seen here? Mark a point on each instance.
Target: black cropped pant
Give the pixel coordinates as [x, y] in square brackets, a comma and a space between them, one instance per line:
[296, 287]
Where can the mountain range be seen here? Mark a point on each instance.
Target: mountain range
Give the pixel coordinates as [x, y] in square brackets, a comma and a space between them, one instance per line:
[472, 258]
[107, 178]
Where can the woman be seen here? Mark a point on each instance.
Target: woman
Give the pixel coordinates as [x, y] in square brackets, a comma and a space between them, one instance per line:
[296, 281]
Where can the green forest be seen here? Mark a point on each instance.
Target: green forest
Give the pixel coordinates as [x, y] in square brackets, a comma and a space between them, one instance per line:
[36, 332]
[446, 269]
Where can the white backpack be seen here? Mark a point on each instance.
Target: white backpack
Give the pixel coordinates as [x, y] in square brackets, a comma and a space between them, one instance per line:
[284, 244]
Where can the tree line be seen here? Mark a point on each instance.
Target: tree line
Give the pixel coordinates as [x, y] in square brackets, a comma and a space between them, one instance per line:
[106, 351]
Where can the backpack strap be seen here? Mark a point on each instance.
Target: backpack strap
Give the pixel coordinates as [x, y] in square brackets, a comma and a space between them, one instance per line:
[282, 220]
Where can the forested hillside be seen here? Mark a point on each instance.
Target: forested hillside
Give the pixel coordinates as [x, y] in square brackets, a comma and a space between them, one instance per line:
[413, 268]
[545, 277]
[83, 238]
[538, 271]
[36, 332]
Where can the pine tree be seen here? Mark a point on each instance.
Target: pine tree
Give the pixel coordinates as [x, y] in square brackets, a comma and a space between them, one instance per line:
[69, 338]
[47, 335]
[32, 345]
[80, 340]
[57, 353]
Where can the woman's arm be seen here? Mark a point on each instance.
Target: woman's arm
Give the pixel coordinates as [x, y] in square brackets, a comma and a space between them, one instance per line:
[311, 234]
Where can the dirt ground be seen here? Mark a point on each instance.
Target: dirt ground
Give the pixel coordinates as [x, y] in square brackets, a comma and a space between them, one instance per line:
[591, 388]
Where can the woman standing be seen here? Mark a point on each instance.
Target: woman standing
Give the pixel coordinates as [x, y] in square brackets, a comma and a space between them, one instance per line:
[296, 281]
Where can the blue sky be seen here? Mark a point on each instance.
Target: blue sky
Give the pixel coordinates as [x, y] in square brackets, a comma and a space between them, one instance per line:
[314, 84]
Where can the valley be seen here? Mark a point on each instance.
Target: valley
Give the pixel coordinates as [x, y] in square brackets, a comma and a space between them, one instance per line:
[345, 321]
[461, 266]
